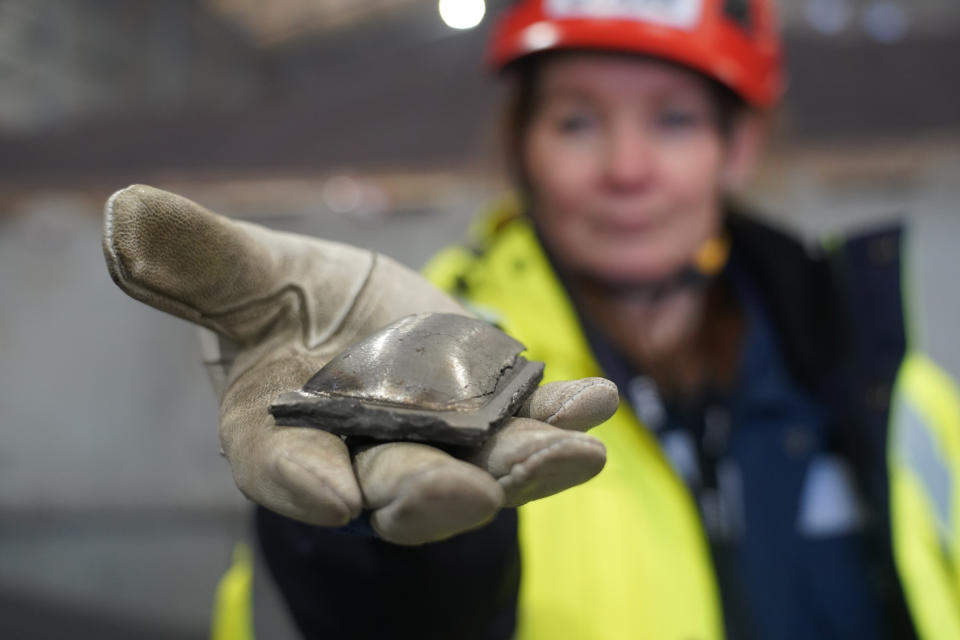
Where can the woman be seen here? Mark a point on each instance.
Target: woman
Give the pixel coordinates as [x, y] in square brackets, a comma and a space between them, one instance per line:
[780, 465]
[747, 485]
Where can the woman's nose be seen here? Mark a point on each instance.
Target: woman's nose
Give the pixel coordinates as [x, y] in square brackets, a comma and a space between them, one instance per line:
[629, 159]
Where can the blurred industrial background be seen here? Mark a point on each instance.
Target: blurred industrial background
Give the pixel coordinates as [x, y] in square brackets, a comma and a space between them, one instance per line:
[368, 121]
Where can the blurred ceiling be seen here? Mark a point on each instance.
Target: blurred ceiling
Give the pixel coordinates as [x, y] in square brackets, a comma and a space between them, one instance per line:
[93, 87]
[281, 21]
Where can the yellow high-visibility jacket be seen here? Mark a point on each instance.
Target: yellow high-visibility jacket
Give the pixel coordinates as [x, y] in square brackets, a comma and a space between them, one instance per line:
[625, 555]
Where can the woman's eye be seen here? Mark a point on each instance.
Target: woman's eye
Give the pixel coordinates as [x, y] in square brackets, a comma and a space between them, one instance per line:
[575, 123]
[677, 119]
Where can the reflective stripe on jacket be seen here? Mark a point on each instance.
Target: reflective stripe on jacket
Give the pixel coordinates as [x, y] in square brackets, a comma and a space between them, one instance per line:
[924, 461]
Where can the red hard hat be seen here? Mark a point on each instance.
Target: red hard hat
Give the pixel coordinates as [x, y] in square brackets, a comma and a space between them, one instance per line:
[735, 42]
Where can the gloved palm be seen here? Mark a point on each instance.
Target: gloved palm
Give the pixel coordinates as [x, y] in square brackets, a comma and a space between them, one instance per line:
[288, 303]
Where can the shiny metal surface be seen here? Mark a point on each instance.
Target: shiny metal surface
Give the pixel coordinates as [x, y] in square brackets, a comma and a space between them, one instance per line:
[431, 377]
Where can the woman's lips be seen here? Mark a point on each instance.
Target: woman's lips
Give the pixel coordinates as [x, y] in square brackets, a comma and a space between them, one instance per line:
[625, 225]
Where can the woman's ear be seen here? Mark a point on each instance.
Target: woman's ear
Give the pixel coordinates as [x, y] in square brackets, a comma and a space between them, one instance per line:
[746, 141]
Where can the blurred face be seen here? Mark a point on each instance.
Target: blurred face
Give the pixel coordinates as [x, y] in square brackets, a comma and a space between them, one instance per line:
[627, 165]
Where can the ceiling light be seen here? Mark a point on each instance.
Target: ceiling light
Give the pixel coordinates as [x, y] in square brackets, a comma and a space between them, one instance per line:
[886, 21]
[829, 17]
[462, 14]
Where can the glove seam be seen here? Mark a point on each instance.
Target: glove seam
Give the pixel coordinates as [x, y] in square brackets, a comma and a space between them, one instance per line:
[566, 403]
[574, 436]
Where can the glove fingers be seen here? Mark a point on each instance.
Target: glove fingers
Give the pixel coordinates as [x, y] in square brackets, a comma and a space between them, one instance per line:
[302, 473]
[576, 405]
[420, 494]
[236, 278]
[533, 460]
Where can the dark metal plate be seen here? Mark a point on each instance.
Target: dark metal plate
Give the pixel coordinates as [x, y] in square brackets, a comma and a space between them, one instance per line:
[431, 377]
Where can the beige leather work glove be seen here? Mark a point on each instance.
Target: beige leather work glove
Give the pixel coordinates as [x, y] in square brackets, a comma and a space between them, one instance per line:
[286, 304]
